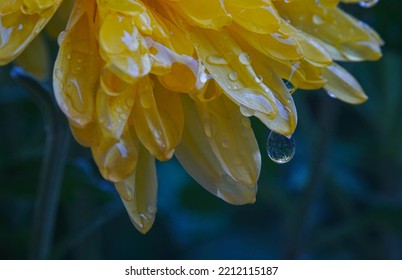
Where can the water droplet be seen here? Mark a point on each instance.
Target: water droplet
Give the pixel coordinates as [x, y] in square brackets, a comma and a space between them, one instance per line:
[216, 60]
[233, 76]
[204, 77]
[157, 133]
[258, 79]
[368, 3]
[289, 86]
[58, 73]
[244, 59]
[317, 20]
[61, 37]
[281, 149]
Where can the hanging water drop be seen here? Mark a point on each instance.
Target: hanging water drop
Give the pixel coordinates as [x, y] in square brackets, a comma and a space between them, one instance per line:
[280, 149]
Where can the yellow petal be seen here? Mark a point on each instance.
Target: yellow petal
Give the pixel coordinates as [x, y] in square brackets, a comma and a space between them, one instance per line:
[286, 120]
[37, 6]
[158, 118]
[231, 69]
[211, 15]
[17, 30]
[139, 192]
[277, 45]
[345, 37]
[114, 111]
[231, 139]
[88, 135]
[116, 158]
[9, 6]
[177, 72]
[343, 85]
[129, 7]
[123, 48]
[312, 51]
[199, 160]
[258, 16]
[76, 71]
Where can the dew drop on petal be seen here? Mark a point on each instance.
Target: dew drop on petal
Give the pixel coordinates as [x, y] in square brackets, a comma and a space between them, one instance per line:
[58, 73]
[61, 37]
[244, 59]
[233, 76]
[317, 20]
[280, 149]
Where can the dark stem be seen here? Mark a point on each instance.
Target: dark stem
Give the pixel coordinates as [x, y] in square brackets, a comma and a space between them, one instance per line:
[301, 227]
[52, 170]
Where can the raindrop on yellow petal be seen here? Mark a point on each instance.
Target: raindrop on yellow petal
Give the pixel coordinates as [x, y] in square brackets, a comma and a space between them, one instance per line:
[158, 119]
[76, 71]
[139, 192]
[116, 159]
[17, 30]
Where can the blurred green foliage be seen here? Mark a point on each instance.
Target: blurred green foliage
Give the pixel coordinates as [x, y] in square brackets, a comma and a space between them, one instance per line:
[339, 198]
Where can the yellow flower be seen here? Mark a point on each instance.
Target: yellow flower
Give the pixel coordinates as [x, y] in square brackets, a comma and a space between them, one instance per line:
[140, 80]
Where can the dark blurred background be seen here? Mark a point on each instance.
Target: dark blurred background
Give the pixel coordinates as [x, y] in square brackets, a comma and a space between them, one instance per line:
[339, 198]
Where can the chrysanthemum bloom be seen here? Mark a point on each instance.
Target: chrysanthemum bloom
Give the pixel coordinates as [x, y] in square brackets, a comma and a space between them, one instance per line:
[140, 80]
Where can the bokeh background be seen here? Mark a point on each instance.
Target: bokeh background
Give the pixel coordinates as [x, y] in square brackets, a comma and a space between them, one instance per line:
[339, 198]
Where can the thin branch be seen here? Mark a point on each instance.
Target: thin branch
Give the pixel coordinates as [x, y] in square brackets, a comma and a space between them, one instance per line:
[52, 170]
